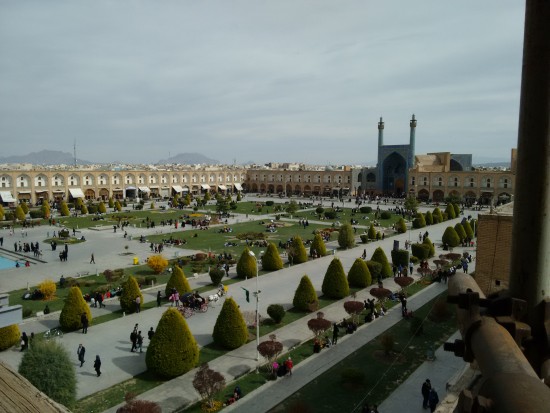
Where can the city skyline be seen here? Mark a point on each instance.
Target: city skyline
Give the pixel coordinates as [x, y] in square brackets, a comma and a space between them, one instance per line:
[275, 82]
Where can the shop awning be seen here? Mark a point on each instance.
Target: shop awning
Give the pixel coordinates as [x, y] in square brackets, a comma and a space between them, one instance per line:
[154, 187]
[144, 189]
[23, 192]
[185, 189]
[177, 188]
[6, 196]
[130, 188]
[205, 186]
[58, 191]
[76, 192]
[238, 187]
[222, 187]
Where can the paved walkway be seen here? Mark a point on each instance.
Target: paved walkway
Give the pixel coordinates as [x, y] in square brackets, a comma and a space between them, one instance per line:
[111, 340]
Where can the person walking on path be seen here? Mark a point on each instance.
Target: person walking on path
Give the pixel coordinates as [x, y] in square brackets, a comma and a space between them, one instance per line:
[92, 259]
[433, 399]
[335, 331]
[426, 387]
[289, 365]
[150, 333]
[24, 342]
[84, 321]
[133, 339]
[97, 365]
[158, 299]
[139, 342]
[138, 304]
[81, 351]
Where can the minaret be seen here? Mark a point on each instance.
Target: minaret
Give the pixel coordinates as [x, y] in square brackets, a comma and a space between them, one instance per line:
[380, 133]
[412, 141]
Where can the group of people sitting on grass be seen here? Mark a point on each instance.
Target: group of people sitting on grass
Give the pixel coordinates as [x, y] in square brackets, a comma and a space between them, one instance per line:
[237, 394]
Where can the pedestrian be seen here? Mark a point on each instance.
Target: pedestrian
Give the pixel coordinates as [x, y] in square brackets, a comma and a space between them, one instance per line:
[433, 399]
[24, 342]
[84, 321]
[92, 259]
[138, 304]
[139, 342]
[150, 333]
[335, 331]
[133, 339]
[426, 387]
[158, 298]
[81, 351]
[97, 365]
[289, 365]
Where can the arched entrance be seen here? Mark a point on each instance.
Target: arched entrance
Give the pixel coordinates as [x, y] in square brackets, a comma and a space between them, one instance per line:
[104, 194]
[89, 194]
[439, 195]
[423, 195]
[394, 170]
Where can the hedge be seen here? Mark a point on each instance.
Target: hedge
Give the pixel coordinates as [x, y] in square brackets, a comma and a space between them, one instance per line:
[420, 250]
[450, 211]
[346, 238]
[335, 283]
[437, 213]
[468, 229]
[178, 281]
[271, 260]
[375, 268]
[380, 256]
[365, 209]
[400, 257]
[9, 336]
[385, 215]
[372, 232]
[460, 231]
[276, 312]
[230, 329]
[450, 237]
[401, 226]
[318, 245]
[246, 267]
[431, 246]
[429, 218]
[173, 350]
[298, 251]
[419, 221]
[216, 275]
[130, 290]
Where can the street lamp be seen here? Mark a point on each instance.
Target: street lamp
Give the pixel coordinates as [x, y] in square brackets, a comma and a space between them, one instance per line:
[257, 294]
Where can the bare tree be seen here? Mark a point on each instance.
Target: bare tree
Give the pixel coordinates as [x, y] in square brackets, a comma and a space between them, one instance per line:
[208, 382]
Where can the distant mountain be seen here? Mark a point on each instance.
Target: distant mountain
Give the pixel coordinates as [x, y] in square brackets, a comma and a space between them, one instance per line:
[188, 159]
[44, 157]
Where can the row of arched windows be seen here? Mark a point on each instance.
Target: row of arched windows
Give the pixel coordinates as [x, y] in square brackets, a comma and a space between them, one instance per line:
[468, 182]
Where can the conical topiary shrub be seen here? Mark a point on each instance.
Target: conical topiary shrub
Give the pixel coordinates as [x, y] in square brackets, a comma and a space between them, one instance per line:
[297, 252]
[173, 350]
[359, 274]
[460, 231]
[178, 281]
[101, 208]
[419, 221]
[401, 226]
[430, 244]
[346, 238]
[74, 306]
[335, 283]
[305, 297]
[375, 269]
[437, 215]
[130, 290]
[468, 229]
[230, 330]
[380, 256]
[318, 245]
[64, 209]
[246, 267]
[9, 336]
[271, 260]
[450, 211]
[429, 218]
[450, 237]
[457, 210]
[372, 232]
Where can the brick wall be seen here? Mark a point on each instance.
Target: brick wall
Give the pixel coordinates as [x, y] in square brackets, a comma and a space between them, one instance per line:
[494, 248]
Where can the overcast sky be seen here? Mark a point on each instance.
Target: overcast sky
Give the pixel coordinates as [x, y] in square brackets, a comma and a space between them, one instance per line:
[288, 80]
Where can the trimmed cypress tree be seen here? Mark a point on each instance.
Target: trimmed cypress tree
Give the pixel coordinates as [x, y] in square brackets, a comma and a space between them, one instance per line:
[48, 366]
[178, 281]
[101, 208]
[318, 245]
[400, 257]
[305, 297]
[372, 232]
[83, 209]
[130, 290]
[401, 226]
[335, 283]
[298, 251]
[375, 269]
[437, 213]
[457, 209]
[173, 350]
[431, 248]
[19, 213]
[78, 203]
[9, 336]
[450, 237]
[111, 202]
[460, 231]
[359, 274]
[419, 221]
[118, 206]
[450, 211]
[230, 330]
[468, 229]
[380, 256]
[429, 218]
[24, 207]
[346, 239]
[246, 267]
[271, 260]
[64, 209]
[420, 251]
[74, 306]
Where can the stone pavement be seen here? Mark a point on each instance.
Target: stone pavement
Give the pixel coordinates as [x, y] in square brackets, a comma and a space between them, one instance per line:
[111, 340]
